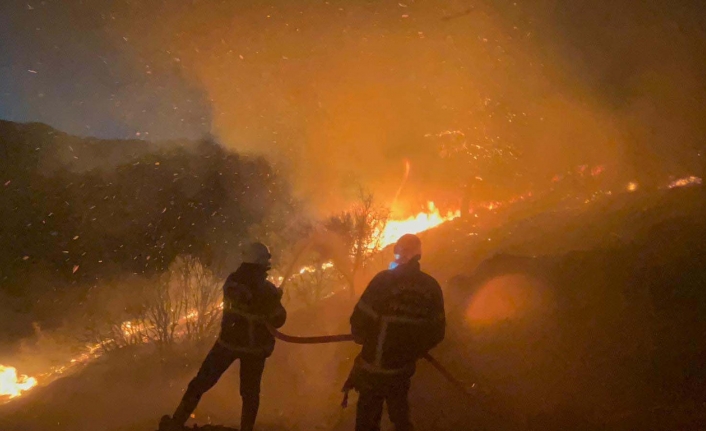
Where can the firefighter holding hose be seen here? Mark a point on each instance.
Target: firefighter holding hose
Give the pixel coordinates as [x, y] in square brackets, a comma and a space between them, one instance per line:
[397, 320]
[250, 304]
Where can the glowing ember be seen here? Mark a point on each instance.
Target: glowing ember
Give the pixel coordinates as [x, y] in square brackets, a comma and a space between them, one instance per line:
[632, 186]
[687, 181]
[597, 170]
[312, 268]
[415, 224]
[13, 385]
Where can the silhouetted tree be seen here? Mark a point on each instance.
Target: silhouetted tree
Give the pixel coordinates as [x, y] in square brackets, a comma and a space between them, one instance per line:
[360, 229]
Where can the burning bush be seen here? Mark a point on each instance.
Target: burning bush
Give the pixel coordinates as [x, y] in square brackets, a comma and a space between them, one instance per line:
[182, 303]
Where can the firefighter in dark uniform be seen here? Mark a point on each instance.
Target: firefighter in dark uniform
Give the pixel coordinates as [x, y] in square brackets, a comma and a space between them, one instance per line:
[250, 302]
[398, 319]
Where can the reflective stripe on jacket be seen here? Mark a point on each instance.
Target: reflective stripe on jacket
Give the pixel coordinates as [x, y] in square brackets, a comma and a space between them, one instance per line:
[249, 303]
[398, 319]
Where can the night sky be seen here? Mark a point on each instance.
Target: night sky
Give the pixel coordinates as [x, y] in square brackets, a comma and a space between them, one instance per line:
[62, 66]
[345, 91]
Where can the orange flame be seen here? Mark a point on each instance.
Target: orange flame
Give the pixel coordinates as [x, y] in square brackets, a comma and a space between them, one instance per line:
[12, 385]
[407, 168]
[395, 228]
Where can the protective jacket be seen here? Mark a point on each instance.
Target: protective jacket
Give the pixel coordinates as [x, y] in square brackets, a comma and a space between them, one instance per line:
[250, 302]
[398, 319]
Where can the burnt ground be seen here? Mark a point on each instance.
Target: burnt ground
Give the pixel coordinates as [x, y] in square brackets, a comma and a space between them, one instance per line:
[584, 319]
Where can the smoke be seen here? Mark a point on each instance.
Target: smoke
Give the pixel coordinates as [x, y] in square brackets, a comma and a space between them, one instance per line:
[341, 93]
[645, 65]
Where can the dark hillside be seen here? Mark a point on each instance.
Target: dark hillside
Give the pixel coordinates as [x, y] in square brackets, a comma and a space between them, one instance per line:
[115, 209]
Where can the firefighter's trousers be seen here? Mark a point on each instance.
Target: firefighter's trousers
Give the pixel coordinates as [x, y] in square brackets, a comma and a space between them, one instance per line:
[373, 394]
[216, 363]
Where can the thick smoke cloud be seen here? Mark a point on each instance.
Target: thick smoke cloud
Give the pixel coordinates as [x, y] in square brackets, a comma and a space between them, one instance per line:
[341, 93]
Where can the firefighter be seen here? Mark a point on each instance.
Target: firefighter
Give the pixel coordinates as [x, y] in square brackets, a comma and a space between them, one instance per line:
[397, 320]
[250, 302]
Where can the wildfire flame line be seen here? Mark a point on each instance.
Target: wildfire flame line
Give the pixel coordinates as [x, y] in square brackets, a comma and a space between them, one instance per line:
[12, 385]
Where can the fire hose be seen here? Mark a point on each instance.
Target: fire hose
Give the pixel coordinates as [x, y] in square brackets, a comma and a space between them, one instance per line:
[326, 339]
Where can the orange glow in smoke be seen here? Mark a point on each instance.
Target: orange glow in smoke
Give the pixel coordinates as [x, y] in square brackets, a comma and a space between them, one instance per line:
[507, 297]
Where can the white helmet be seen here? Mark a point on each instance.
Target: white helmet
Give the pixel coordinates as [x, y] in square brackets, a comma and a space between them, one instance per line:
[257, 253]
